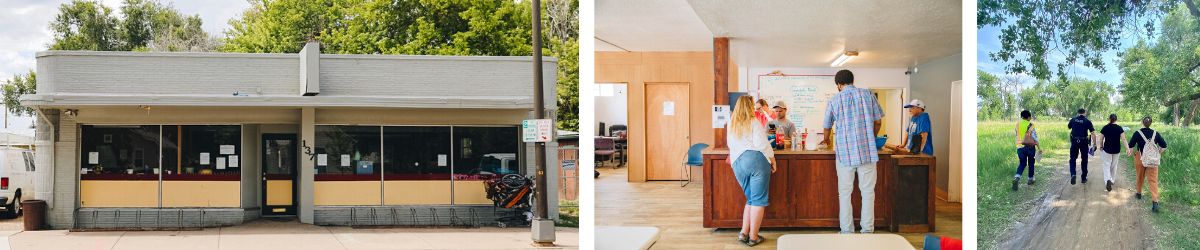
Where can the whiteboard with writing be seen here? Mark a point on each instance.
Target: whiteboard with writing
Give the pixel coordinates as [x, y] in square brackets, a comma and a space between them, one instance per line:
[806, 96]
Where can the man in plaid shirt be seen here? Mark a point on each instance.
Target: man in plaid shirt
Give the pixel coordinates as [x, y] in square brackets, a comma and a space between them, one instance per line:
[856, 114]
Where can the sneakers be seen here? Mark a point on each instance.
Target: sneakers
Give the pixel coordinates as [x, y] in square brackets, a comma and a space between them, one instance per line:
[1154, 207]
[1015, 181]
[1138, 195]
[752, 243]
[1072, 180]
[1108, 186]
[1030, 181]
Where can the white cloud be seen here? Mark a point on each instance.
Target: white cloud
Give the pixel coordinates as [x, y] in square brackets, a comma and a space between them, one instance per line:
[25, 30]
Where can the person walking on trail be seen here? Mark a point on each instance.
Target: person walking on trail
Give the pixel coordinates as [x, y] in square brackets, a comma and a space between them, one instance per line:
[1111, 140]
[1027, 147]
[857, 116]
[1082, 134]
[1148, 158]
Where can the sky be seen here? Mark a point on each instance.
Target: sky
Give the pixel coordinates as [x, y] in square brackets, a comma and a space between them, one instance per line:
[989, 41]
[24, 30]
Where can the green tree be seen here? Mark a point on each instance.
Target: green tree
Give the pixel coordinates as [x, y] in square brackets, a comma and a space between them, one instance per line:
[1081, 31]
[990, 102]
[145, 25]
[85, 25]
[422, 27]
[20, 84]
[1162, 77]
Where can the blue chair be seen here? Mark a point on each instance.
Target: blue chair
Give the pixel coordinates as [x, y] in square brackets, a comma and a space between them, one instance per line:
[693, 159]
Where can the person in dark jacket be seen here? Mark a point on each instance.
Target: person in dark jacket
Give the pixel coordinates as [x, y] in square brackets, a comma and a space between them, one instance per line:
[1082, 134]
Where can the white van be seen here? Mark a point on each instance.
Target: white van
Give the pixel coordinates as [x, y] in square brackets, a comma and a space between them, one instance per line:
[16, 179]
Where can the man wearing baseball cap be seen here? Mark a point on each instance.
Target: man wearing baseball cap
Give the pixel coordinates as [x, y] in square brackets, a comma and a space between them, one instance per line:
[920, 131]
[781, 122]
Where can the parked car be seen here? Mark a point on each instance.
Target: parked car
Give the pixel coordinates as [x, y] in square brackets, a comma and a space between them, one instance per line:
[16, 180]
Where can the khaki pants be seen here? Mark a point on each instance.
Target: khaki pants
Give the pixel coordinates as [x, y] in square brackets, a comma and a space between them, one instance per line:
[1145, 173]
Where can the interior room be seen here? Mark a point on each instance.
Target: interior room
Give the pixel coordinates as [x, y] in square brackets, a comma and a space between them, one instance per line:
[662, 67]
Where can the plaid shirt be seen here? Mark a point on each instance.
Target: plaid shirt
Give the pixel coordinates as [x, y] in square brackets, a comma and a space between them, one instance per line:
[854, 112]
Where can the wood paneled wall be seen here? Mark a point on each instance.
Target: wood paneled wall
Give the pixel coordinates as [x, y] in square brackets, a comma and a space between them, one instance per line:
[638, 68]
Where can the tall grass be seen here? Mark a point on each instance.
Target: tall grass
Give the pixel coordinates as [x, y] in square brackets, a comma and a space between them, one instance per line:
[1000, 207]
[1179, 188]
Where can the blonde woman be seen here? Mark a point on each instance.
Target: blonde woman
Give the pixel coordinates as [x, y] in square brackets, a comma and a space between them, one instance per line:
[753, 161]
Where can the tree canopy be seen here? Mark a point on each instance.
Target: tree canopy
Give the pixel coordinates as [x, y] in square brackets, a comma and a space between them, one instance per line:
[1079, 31]
[143, 25]
[421, 27]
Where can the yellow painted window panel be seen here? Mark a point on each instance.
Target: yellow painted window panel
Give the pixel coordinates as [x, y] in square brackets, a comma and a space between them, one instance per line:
[106, 193]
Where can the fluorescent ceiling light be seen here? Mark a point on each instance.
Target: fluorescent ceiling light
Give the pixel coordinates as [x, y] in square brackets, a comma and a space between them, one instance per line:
[843, 58]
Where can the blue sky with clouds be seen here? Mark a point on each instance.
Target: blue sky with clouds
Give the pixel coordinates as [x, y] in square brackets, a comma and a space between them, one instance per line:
[25, 30]
[989, 41]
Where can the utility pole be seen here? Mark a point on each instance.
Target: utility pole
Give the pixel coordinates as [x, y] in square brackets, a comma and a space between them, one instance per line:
[542, 229]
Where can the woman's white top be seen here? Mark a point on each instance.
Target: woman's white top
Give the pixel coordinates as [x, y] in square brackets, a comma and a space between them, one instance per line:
[756, 140]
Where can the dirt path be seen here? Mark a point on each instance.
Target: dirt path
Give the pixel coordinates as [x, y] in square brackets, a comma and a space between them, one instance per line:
[1085, 216]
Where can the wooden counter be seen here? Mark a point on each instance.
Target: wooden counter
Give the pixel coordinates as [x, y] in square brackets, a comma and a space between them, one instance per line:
[803, 191]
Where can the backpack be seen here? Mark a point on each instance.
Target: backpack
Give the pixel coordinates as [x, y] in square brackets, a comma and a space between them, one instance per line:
[1151, 154]
[1028, 140]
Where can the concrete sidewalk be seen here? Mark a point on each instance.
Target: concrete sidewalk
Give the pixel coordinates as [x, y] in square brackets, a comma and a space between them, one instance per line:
[268, 234]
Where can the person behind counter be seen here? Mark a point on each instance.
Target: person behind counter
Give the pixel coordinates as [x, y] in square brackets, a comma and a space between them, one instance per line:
[920, 131]
[857, 116]
[783, 126]
[752, 158]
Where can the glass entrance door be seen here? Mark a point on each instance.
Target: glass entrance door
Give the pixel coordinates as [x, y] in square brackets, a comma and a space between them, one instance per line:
[279, 174]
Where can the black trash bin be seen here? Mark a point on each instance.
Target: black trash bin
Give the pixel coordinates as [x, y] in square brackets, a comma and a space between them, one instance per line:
[35, 214]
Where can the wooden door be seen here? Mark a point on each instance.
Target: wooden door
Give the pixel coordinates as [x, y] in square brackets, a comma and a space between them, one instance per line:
[667, 128]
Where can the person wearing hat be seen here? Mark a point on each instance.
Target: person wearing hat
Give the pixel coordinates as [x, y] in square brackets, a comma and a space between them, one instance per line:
[782, 124]
[920, 131]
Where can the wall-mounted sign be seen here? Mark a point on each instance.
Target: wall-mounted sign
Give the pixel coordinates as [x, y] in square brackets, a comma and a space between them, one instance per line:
[537, 130]
[720, 116]
[668, 108]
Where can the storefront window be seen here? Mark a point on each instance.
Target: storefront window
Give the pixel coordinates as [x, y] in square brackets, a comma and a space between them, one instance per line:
[348, 152]
[483, 153]
[416, 153]
[119, 153]
[202, 152]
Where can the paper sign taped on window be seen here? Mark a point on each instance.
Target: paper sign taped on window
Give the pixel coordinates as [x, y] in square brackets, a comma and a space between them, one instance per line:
[233, 161]
[345, 160]
[441, 160]
[227, 149]
[322, 160]
[220, 162]
[204, 157]
[93, 157]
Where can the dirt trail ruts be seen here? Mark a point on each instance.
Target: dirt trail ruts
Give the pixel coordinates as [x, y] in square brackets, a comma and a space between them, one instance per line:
[1085, 216]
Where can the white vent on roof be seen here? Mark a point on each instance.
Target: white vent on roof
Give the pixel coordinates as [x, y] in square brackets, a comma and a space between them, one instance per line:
[310, 69]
